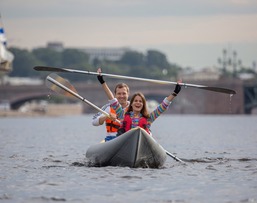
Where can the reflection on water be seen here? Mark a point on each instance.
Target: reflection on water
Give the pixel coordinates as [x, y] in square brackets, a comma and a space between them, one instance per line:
[43, 160]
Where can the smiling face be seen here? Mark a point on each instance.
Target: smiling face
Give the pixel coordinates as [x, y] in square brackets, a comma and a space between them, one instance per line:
[137, 104]
[122, 96]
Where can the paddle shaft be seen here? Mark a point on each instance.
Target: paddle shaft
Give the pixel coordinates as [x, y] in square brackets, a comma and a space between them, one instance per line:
[174, 157]
[215, 89]
[77, 95]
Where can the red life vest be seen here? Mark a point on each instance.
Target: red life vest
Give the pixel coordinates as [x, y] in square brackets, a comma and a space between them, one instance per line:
[127, 123]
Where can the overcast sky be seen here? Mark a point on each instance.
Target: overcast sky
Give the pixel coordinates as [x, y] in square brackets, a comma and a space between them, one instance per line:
[189, 32]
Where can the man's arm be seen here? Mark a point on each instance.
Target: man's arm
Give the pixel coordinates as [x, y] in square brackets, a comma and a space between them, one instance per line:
[98, 119]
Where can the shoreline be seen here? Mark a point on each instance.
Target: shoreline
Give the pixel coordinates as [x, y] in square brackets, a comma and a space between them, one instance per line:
[52, 110]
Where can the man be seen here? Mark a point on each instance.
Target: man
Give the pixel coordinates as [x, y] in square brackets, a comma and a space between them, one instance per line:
[121, 92]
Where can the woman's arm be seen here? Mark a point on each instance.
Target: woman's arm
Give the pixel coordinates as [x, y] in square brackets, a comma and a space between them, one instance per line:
[165, 104]
[176, 91]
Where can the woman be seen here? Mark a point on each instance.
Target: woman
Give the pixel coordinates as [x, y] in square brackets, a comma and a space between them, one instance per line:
[137, 113]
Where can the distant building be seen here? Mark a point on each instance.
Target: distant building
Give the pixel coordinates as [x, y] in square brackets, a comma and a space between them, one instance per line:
[246, 76]
[57, 46]
[112, 54]
[204, 74]
[16, 81]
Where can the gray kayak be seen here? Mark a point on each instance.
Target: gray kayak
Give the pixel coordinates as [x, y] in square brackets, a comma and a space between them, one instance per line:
[135, 148]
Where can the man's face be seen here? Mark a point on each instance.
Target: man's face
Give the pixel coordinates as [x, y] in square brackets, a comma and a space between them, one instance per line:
[122, 96]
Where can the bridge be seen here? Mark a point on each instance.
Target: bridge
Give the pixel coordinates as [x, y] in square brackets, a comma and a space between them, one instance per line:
[189, 101]
[250, 97]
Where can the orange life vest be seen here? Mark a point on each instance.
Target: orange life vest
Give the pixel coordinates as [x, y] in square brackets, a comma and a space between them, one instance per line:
[127, 123]
[111, 126]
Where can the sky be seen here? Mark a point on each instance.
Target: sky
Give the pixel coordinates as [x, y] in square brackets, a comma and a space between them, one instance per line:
[191, 33]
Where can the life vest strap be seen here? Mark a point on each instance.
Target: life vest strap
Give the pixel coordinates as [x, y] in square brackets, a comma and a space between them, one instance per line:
[113, 125]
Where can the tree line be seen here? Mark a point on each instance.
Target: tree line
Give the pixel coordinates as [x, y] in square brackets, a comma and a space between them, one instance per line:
[153, 64]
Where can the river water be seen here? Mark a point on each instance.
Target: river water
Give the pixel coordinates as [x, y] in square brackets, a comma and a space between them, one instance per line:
[42, 159]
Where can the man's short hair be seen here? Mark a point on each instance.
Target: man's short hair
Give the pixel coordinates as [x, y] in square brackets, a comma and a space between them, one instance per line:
[121, 85]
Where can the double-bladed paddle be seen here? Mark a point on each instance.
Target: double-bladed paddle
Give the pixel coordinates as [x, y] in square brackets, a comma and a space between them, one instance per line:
[62, 86]
[214, 89]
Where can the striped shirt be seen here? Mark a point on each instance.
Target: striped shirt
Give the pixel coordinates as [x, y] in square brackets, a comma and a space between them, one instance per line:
[162, 107]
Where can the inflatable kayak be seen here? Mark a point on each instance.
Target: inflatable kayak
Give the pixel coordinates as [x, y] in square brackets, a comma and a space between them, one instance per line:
[135, 148]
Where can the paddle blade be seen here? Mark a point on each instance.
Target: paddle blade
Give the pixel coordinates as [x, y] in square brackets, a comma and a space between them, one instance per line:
[219, 89]
[58, 89]
[47, 68]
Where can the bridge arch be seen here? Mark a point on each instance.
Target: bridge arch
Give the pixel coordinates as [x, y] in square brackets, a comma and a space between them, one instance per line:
[250, 99]
[18, 102]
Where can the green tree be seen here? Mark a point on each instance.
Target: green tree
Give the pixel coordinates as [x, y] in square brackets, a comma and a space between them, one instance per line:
[156, 59]
[48, 56]
[132, 58]
[74, 58]
[23, 63]
[133, 63]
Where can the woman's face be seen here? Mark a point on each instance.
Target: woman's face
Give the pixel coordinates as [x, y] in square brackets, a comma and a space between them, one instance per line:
[137, 104]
